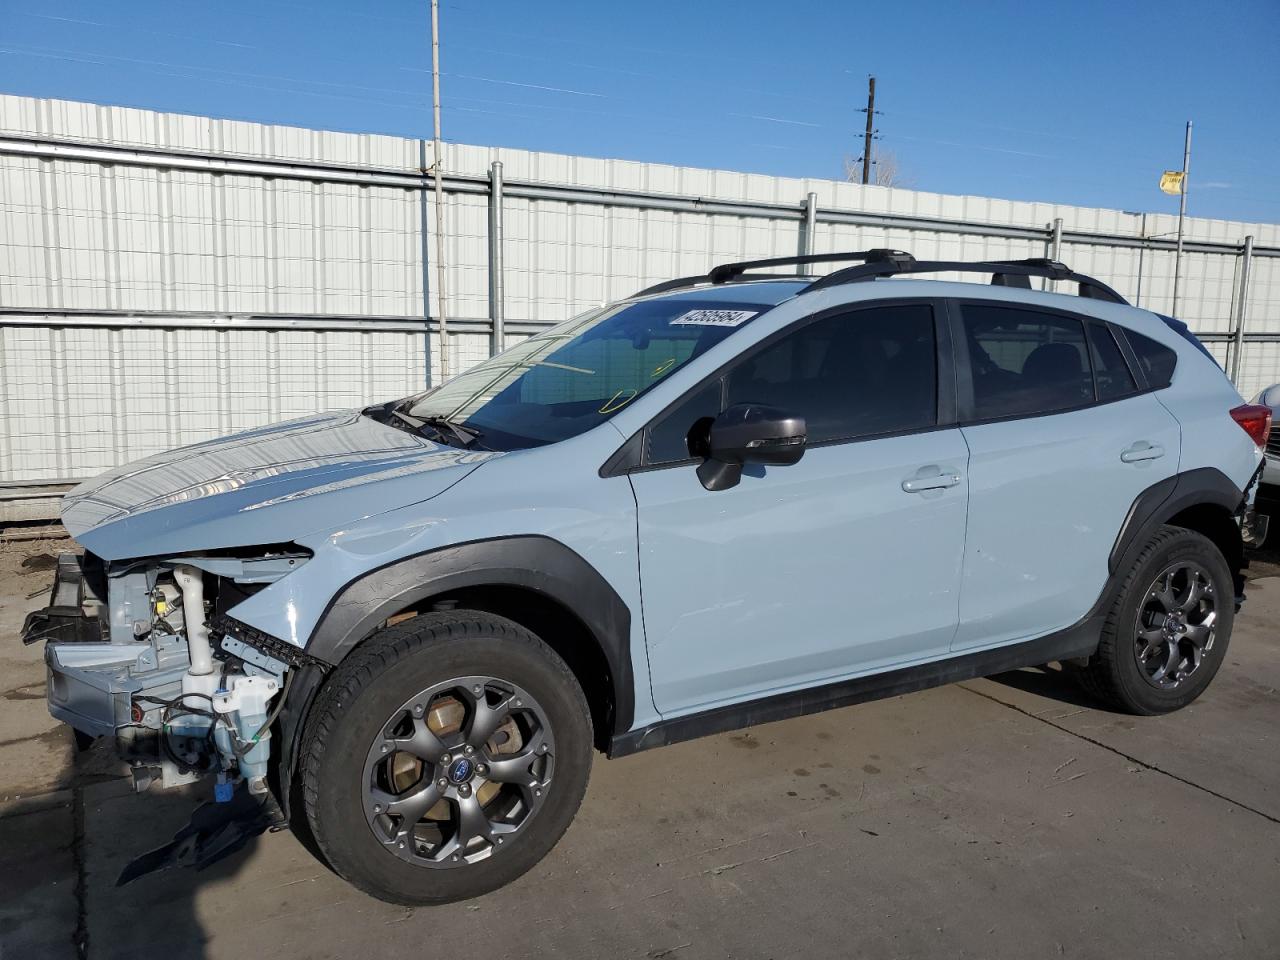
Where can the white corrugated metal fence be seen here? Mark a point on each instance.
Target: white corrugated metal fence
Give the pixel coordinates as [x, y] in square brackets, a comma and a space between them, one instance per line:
[166, 279]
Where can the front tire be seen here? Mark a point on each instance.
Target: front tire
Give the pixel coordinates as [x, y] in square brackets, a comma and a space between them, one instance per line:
[1168, 628]
[445, 757]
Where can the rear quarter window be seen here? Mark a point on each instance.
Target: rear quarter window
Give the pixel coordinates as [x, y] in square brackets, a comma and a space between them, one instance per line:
[1156, 360]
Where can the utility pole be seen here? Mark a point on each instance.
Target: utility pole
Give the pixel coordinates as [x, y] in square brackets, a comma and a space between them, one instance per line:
[871, 113]
[437, 171]
[1182, 213]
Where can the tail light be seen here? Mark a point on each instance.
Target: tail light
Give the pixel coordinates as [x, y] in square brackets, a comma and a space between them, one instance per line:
[1255, 420]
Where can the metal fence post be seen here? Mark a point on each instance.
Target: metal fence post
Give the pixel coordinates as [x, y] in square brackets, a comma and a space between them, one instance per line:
[497, 302]
[1246, 255]
[1142, 250]
[810, 225]
[425, 233]
[1055, 251]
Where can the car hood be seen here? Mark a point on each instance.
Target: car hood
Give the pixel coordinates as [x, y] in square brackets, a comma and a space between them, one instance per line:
[264, 486]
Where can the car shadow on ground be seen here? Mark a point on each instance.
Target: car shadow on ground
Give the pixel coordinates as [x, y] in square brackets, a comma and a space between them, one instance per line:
[1053, 682]
[1056, 682]
[118, 825]
[208, 911]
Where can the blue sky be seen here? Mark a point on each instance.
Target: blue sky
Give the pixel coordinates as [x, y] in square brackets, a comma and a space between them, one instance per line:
[1068, 102]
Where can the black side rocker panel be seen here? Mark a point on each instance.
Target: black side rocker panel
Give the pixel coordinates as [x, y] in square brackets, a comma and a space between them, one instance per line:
[535, 563]
[1080, 640]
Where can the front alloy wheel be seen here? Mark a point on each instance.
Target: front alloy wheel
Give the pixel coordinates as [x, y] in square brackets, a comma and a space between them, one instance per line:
[458, 770]
[444, 757]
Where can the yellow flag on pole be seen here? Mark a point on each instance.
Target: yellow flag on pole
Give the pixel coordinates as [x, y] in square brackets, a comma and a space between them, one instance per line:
[1171, 182]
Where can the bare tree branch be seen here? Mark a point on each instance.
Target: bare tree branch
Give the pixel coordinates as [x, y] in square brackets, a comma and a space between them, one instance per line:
[886, 171]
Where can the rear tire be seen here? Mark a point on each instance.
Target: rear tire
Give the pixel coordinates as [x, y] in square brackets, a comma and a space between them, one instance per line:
[1167, 631]
[444, 758]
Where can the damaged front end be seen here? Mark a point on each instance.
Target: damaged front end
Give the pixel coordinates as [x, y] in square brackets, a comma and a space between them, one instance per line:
[143, 651]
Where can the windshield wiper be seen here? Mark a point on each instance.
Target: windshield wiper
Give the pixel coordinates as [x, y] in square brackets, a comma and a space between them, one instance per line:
[465, 435]
[442, 427]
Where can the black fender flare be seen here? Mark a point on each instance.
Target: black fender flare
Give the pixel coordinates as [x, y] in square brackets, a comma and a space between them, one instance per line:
[1164, 500]
[535, 563]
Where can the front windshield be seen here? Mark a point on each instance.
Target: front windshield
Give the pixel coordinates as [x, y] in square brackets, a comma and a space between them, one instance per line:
[563, 382]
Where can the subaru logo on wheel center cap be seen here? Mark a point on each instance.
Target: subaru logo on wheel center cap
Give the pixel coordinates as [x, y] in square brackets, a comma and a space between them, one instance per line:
[461, 770]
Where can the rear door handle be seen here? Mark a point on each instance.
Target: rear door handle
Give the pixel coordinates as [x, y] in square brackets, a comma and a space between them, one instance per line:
[936, 481]
[1140, 451]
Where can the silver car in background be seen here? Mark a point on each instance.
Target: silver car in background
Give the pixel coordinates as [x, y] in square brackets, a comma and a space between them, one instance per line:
[1270, 397]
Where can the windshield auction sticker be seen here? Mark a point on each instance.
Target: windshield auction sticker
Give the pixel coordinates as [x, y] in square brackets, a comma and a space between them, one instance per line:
[713, 318]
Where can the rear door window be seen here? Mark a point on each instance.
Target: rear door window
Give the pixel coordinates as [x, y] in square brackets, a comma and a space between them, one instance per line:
[1025, 362]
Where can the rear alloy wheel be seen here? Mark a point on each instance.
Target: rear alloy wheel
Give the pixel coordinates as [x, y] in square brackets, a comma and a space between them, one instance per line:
[445, 757]
[1175, 627]
[1167, 631]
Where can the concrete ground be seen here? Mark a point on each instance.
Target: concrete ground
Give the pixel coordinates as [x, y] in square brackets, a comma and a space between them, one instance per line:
[1007, 817]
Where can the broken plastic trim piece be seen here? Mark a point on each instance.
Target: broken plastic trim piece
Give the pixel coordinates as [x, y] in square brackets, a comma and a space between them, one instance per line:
[221, 626]
[216, 830]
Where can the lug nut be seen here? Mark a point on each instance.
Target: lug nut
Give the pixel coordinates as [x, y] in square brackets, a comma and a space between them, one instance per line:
[464, 791]
[482, 769]
[443, 782]
[470, 750]
[446, 758]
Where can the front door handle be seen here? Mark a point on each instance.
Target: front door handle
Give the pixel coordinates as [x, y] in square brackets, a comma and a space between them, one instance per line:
[1140, 451]
[935, 481]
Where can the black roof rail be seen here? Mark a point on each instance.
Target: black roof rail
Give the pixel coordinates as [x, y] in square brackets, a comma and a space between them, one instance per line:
[884, 262]
[730, 272]
[1006, 273]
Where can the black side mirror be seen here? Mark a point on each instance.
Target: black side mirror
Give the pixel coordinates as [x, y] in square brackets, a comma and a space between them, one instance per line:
[749, 433]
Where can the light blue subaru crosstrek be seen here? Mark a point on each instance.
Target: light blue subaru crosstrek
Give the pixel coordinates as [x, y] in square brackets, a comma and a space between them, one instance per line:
[727, 500]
